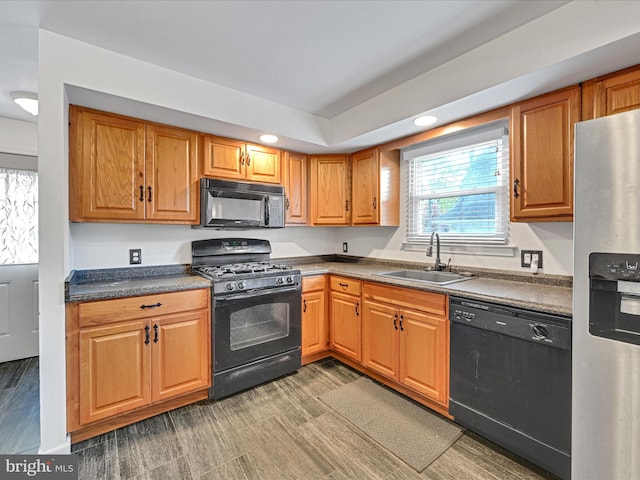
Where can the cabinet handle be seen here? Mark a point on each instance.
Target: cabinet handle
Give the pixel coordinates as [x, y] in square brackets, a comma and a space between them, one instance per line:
[374, 203]
[286, 203]
[516, 182]
[248, 160]
[395, 321]
[357, 307]
[343, 285]
[149, 187]
[146, 335]
[242, 158]
[142, 193]
[151, 306]
[155, 333]
[346, 205]
[304, 305]
[401, 320]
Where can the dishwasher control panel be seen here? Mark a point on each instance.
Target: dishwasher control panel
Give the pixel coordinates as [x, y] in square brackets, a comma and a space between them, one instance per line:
[527, 325]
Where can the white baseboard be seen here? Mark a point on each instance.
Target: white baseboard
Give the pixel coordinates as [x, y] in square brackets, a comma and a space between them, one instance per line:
[63, 449]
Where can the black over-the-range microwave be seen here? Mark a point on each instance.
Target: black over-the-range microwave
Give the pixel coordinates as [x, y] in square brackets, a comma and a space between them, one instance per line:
[228, 204]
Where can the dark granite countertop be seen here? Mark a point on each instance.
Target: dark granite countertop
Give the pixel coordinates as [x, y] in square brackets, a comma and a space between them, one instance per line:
[102, 284]
[543, 293]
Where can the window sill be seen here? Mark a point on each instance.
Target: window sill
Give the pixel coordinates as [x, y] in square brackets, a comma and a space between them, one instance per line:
[484, 250]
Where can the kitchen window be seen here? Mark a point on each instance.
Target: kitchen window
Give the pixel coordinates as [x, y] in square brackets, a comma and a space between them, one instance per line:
[458, 187]
[18, 216]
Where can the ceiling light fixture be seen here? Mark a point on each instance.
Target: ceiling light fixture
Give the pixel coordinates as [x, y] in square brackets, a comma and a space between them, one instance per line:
[27, 100]
[425, 120]
[268, 138]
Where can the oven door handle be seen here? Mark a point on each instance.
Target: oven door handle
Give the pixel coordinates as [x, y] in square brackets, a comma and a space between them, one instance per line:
[261, 293]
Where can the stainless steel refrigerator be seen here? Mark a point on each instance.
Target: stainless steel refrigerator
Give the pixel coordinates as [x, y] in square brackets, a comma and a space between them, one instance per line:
[606, 300]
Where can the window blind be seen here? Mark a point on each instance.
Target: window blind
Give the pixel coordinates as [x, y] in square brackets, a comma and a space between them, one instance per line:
[458, 187]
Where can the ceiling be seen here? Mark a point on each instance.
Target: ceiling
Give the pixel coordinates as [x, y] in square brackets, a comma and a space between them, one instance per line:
[332, 59]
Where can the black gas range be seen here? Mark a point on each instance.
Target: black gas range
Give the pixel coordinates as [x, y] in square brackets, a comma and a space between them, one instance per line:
[256, 312]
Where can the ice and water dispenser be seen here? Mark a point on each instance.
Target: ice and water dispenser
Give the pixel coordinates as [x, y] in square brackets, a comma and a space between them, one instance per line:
[614, 303]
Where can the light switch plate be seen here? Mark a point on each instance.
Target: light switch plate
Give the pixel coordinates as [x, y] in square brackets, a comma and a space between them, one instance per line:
[525, 258]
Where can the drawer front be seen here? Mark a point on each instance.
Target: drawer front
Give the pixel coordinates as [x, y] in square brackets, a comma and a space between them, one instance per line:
[317, 282]
[346, 285]
[435, 303]
[118, 310]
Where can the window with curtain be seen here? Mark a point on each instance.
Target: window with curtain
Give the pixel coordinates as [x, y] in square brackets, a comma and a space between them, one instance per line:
[458, 187]
[18, 216]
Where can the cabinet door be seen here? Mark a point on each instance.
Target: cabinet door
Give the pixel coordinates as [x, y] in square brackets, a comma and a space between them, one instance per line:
[295, 186]
[109, 154]
[365, 187]
[172, 175]
[345, 325]
[223, 158]
[115, 370]
[542, 156]
[424, 354]
[314, 323]
[380, 344]
[617, 94]
[263, 164]
[330, 190]
[181, 360]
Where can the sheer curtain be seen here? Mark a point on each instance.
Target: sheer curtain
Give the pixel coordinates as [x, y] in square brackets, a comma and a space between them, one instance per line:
[18, 216]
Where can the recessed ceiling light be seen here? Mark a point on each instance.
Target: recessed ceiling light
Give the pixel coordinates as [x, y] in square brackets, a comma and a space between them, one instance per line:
[27, 100]
[267, 138]
[425, 120]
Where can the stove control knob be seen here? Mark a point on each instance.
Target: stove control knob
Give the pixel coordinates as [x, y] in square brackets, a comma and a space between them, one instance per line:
[229, 286]
[289, 279]
[280, 280]
[241, 285]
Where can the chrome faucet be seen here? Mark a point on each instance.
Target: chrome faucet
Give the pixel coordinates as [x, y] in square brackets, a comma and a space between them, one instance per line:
[439, 266]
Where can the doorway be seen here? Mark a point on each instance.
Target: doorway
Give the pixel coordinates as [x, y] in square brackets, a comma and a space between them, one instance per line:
[19, 313]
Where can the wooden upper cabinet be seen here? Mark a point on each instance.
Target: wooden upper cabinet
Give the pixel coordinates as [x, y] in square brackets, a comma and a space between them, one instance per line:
[330, 190]
[375, 187]
[263, 164]
[172, 176]
[610, 94]
[125, 170]
[542, 156]
[107, 167]
[235, 160]
[223, 158]
[365, 187]
[295, 187]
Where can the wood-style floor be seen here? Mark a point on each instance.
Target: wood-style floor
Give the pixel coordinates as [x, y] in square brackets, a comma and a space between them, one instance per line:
[19, 406]
[279, 430]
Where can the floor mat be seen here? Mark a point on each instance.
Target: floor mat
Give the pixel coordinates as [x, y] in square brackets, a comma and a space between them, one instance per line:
[412, 432]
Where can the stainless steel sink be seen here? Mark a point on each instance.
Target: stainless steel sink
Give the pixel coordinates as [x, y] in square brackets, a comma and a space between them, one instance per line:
[427, 276]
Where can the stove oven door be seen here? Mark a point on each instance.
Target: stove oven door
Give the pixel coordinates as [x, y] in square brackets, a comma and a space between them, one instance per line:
[249, 326]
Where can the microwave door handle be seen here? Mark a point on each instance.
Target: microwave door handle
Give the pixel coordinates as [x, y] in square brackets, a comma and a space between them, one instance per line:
[266, 210]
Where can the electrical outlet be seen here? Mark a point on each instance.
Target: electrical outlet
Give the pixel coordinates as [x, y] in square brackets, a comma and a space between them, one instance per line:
[527, 255]
[135, 256]
[345, 247]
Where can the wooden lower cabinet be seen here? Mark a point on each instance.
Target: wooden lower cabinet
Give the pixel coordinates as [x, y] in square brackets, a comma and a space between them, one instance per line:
[315, 325]
[119, 365]
[346, 323]
[405, 337]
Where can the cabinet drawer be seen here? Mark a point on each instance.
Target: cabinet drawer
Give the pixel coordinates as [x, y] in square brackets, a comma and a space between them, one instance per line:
[435, 303]
[118, 310]
[317, 282]
[346, 285]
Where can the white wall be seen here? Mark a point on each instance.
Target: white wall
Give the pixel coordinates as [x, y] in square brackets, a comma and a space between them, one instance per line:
[18, 137]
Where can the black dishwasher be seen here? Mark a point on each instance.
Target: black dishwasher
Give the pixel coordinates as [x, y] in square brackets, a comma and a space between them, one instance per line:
[510, 380]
